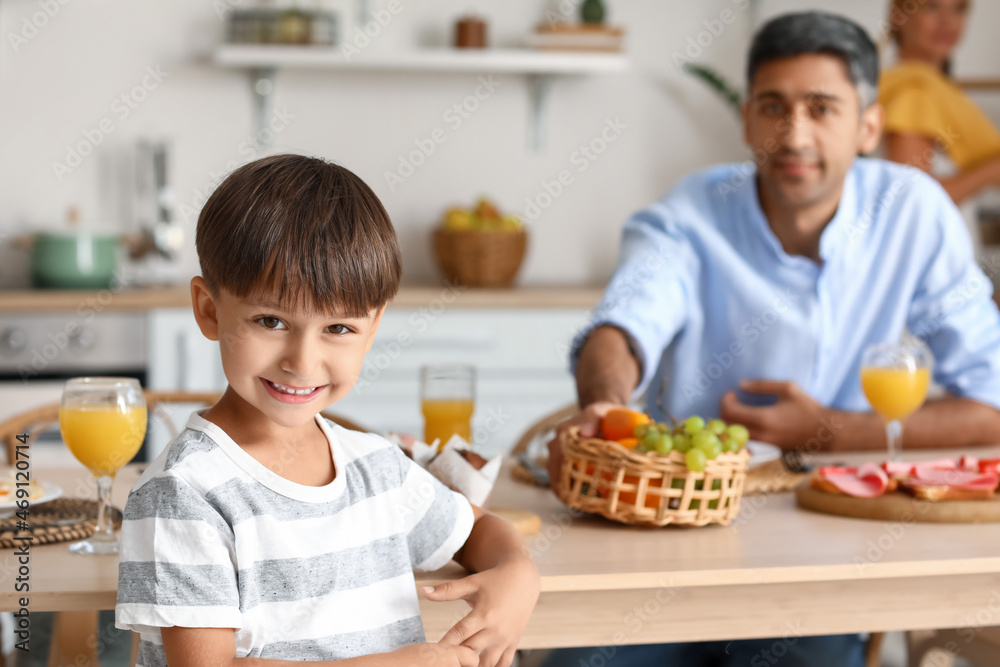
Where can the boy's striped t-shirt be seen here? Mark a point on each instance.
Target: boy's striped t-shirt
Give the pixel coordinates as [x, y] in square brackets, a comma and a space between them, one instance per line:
[211, 538]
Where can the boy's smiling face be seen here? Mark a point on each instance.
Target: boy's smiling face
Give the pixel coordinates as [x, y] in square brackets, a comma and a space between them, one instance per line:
[283, 364]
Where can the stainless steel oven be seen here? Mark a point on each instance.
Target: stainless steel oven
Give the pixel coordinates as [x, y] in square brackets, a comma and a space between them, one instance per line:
[39, 351]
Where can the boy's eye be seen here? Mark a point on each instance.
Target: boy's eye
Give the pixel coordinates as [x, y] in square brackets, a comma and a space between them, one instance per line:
[338, 329]
[271, 322]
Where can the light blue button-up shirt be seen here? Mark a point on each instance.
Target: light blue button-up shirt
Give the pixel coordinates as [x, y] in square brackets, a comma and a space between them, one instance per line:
[710, 297]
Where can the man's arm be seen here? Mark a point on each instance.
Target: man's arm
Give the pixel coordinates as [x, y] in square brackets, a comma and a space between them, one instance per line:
[939, 423]
[607, 374]
[606, 370]
[797, 421]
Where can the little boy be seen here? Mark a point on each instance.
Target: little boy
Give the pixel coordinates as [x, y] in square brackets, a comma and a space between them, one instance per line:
[265, 534]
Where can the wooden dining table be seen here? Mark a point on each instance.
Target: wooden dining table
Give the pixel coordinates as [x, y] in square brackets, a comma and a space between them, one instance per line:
[776, 571]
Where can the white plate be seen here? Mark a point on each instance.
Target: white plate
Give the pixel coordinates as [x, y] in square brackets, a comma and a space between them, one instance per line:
[49, 492]
[761, 453]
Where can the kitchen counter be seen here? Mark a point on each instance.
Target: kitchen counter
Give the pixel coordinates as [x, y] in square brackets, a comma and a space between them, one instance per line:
[141, 299]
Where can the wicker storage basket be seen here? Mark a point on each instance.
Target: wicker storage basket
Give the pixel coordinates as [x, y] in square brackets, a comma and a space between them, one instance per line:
[480, 258]
[602, 477]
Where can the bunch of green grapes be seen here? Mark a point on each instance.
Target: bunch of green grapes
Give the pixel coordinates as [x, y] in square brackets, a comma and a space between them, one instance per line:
[697, 440]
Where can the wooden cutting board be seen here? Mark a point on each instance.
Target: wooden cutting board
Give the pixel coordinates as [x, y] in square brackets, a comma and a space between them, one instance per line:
[898, 506]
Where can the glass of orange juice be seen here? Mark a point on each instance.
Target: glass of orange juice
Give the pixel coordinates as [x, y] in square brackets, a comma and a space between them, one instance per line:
[895, 378]
[447, 399]
[103, 422]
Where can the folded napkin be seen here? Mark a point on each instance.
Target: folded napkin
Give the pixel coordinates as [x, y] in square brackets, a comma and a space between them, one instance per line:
[452, 467]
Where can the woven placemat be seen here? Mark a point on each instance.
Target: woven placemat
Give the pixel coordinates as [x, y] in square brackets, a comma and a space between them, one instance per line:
[522, 474]
[772, 477]
[61, 520]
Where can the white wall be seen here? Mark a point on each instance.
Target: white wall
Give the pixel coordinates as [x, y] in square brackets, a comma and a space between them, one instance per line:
[65, 79]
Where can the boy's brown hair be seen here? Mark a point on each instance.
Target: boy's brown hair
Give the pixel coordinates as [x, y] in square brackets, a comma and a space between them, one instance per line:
[303, 232]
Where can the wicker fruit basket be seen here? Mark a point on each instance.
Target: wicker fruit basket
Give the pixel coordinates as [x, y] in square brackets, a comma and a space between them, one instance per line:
[602, 477]
[478, 258]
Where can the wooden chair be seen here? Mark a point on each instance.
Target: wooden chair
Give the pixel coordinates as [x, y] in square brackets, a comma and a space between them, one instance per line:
[978, 645]
[73, 631]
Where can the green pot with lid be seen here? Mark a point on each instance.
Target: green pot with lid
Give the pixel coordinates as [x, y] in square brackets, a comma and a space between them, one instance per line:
[74, 260]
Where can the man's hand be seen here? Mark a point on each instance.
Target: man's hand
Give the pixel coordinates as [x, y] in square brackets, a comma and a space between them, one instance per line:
[789, 423]
[501, 599]
[589, 421]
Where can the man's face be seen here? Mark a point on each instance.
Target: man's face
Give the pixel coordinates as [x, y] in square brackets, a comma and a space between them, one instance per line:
[287, 365]
[803, 121]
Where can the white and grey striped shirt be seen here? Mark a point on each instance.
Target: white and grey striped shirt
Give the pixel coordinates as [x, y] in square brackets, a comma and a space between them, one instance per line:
[212, 538]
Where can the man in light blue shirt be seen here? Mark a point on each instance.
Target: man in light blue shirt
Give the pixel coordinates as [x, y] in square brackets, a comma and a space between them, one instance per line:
[767, 280]
[708, 297]
[763, 282]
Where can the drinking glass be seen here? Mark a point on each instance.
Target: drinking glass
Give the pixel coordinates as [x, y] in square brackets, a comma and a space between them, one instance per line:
[895, 377]
[447, 399]
[103, 422]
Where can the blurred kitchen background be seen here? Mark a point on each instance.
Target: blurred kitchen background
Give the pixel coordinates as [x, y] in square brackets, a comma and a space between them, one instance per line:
[125, 115]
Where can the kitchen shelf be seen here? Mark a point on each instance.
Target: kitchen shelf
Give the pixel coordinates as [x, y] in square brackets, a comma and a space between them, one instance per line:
[520, 61]
[540, 68]
[979, 84]
[140, 299]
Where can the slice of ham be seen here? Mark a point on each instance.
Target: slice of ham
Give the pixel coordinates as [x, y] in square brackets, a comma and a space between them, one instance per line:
[924, 467]
[989, 465]
[968, 463]
[897, 469]
[868, 481]
[960, 479]
[826, 471]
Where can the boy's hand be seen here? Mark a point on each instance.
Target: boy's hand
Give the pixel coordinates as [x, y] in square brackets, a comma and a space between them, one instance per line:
[501, 599]
[435, 655]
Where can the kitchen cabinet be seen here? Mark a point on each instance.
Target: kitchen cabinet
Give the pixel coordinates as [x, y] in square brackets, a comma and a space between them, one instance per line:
[180, 357]
[520, 355]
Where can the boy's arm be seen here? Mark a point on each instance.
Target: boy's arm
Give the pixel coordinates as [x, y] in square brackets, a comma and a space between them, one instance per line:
[216, 647]
[492, 543]
[502, 593]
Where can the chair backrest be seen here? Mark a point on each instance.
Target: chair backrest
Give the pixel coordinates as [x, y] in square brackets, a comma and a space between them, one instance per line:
[35, 421]
[545, 423]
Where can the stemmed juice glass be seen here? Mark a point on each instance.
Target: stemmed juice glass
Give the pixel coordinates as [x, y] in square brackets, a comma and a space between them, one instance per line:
[103, 422]
[895, 378]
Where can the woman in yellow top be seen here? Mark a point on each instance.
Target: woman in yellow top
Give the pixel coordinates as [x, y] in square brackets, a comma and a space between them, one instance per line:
[924, 110]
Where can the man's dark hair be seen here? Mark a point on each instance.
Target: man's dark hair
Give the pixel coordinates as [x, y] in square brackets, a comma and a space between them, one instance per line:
[818, 32]
[299, 231]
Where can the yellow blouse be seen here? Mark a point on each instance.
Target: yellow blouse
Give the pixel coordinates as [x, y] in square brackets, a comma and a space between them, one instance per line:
[919, 99]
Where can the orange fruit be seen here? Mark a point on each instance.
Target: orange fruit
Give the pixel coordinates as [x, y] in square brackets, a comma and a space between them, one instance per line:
[620, 423]
[628, 443]
[629, 497]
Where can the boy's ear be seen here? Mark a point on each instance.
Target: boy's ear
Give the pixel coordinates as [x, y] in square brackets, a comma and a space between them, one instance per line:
[205, 312]
[371, 338]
